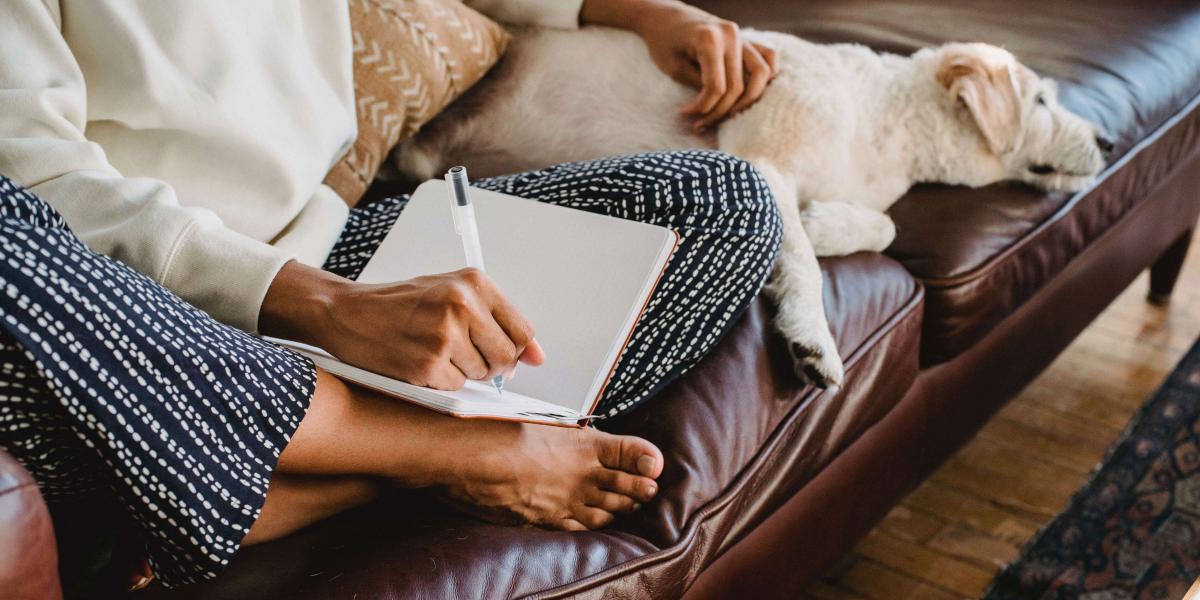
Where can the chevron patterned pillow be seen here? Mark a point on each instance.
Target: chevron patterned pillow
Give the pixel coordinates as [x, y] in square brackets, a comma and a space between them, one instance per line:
[411, 59]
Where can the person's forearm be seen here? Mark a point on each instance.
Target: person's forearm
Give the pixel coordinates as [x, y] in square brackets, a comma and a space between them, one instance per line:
[298, 302]
[626, 14]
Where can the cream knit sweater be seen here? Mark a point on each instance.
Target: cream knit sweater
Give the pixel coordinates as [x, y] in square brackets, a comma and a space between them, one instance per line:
[189, 138]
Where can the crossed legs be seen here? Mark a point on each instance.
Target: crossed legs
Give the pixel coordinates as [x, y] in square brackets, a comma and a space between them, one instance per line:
[351, 442]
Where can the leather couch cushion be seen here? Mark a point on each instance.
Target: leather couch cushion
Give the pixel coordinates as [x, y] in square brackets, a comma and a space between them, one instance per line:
[28, 558]
[1131, 67]
[739, 434]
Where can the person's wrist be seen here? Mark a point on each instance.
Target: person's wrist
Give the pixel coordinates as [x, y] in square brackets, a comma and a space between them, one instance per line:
[649, 18]
[637, 16]
[299, 302]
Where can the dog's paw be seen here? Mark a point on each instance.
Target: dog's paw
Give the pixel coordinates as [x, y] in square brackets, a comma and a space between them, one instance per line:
[881, 234]
[817, 363]
[814, 353]
[841, 228]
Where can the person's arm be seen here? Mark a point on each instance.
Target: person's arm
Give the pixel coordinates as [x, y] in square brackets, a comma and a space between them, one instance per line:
[43, 113]
[690, 45]
[695, 48]
[433, 330]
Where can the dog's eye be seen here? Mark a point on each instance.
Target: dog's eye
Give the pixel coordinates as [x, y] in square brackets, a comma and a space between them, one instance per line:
[1041, 169]
[1040, 99]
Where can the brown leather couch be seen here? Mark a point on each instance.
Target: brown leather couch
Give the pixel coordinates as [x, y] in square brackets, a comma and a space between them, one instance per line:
[767, 483]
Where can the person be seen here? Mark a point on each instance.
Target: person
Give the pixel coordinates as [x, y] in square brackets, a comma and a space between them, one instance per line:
[162, 203]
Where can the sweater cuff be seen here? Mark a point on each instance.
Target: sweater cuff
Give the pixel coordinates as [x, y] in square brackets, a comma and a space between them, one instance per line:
[563, 14]
[559, 14]
[223, 271]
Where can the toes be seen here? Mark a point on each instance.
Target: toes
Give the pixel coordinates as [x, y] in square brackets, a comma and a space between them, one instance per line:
[800, 351]
[593, 518]
[571, 525]
[805, 359]
[630, 454]
[612, 501]
[639, 488]
[816, 367]
[818, 373]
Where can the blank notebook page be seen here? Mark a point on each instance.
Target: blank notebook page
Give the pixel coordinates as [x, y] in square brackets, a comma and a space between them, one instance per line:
[580, 278]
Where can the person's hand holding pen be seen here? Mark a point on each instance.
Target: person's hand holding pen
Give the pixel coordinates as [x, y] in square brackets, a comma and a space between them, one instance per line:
[465, 225]
[435, 331]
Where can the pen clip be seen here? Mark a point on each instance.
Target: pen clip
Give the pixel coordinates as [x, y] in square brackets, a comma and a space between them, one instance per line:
[453, 204]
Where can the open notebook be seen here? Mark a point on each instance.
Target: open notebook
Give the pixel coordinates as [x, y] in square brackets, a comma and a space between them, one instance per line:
[580, 278]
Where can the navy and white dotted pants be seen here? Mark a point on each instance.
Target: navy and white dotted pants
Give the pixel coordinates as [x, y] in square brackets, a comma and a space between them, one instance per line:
[112, 385]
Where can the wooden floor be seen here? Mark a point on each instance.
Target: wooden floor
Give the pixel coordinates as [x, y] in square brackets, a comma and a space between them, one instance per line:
[948, 538]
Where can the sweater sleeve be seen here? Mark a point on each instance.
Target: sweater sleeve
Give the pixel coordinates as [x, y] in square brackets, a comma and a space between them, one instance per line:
[139, 221]
[560, 14]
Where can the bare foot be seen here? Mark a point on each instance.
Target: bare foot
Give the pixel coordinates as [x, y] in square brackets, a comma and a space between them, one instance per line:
[555, 477]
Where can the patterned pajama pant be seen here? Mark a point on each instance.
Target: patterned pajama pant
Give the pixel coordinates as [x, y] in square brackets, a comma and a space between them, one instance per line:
[111, 385]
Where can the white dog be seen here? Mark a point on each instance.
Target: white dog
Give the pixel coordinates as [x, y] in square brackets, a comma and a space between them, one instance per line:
[839, 136]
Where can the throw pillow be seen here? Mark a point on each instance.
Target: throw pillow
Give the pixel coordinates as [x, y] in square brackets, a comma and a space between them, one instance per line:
[412, 58]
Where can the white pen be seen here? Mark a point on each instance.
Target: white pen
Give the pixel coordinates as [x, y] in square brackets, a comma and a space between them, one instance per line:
[467, 229]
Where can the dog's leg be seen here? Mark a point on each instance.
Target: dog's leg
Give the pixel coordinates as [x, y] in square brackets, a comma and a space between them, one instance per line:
[796, 289]
[841, 228]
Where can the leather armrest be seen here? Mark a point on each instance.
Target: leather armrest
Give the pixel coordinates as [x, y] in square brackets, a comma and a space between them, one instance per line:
[28, 555]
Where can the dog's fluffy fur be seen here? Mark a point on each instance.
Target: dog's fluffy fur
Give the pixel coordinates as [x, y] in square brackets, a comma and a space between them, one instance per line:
[839, 135]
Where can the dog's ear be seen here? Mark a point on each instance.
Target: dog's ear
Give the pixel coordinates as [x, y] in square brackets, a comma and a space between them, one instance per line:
[986, 84]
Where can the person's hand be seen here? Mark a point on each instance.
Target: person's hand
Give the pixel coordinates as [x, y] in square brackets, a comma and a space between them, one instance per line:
[697, 49]
[434, 331]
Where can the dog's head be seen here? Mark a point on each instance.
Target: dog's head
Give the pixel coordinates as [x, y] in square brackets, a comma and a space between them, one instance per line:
[1018, 117]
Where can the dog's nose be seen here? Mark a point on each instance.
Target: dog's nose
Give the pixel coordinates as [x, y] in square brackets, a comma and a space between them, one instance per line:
[1105, 144]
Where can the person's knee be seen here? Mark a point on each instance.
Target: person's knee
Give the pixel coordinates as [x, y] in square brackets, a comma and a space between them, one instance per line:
[754, 198]
[742, 197]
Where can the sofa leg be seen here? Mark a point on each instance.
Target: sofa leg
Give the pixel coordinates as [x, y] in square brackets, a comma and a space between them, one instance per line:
[1165, 270]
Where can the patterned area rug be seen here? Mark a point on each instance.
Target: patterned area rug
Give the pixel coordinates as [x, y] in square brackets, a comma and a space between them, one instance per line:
[1133, 531]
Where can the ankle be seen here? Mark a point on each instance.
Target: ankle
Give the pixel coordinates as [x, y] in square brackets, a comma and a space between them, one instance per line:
[470, 447]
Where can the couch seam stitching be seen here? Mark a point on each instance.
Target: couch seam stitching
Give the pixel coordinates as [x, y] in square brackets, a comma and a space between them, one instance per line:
[18, 488]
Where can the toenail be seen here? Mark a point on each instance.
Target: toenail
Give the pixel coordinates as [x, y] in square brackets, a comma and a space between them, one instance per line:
[646, 464]
[815, 376]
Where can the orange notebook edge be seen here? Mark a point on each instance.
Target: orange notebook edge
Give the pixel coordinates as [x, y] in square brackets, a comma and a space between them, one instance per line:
[628, 336]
